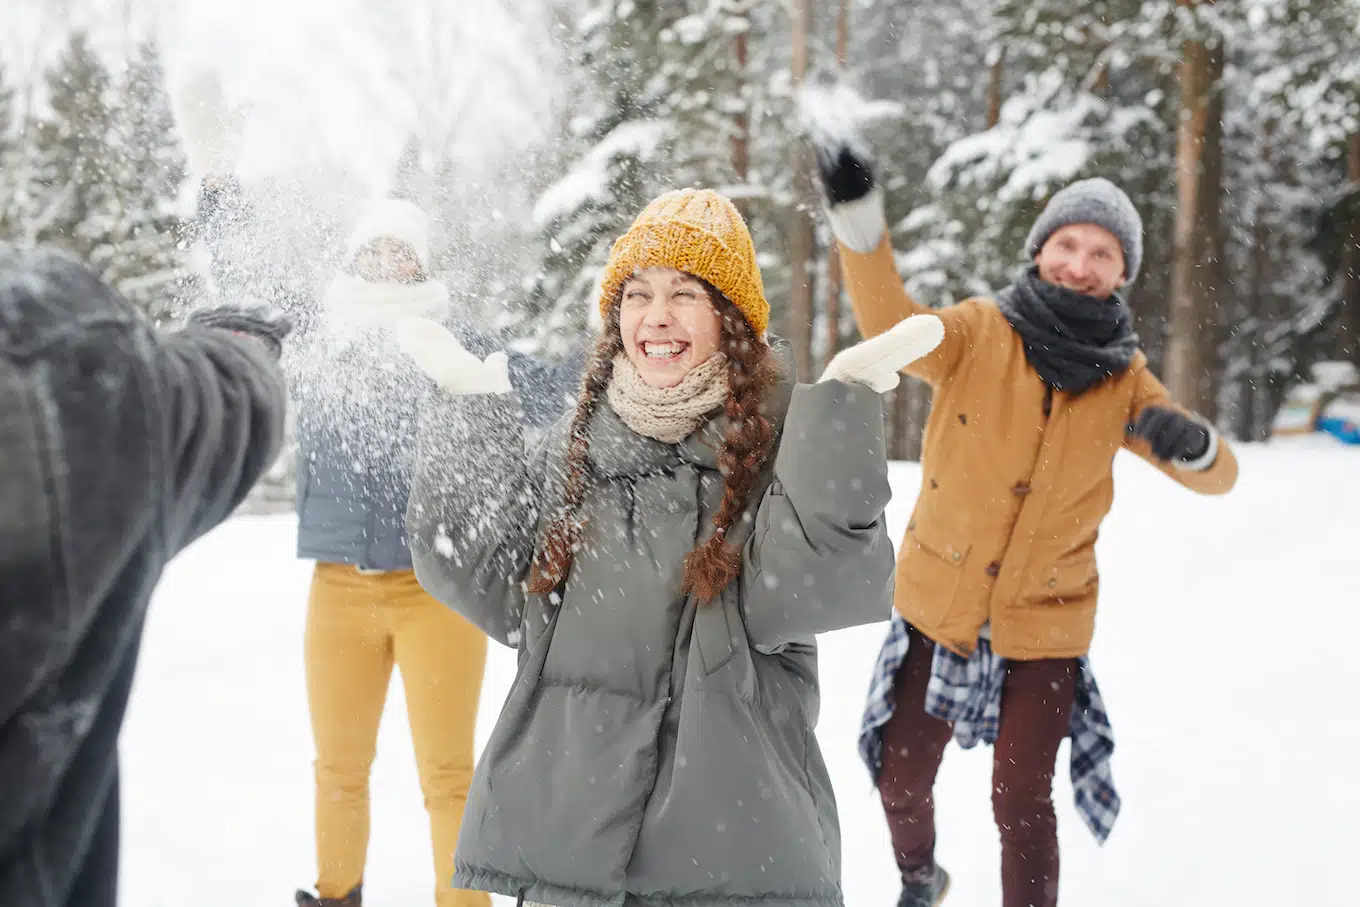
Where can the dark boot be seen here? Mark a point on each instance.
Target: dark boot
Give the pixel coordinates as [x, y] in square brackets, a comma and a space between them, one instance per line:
[927, 891]
[354, 899]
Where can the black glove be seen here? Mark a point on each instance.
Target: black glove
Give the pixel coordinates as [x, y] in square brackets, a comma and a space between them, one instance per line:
[264, 323]
[1171, 435]
[846, 175]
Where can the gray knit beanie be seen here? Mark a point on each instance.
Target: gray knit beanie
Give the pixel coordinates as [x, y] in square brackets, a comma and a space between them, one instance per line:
[1092, 201]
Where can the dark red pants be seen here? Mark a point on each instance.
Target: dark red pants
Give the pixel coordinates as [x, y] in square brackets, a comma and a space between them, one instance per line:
[1035, 703]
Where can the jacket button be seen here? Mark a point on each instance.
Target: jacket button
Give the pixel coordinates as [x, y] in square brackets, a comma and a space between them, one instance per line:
[993, 569]
[958, 555]
[1052, 583]
[1021, 489]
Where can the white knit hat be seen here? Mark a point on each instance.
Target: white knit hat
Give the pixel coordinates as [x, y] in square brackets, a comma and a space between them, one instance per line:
[394, 218]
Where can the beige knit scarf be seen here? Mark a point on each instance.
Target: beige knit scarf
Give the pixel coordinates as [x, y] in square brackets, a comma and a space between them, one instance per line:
[668, 414]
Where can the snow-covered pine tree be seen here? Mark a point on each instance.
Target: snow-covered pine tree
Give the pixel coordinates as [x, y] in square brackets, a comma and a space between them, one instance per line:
[150, 269]
[76, 202]
[102, 174]
[1268, 179]
[1322, 50]
[650, 81]
[1291, 90]
[11, 160]
[1317, 69]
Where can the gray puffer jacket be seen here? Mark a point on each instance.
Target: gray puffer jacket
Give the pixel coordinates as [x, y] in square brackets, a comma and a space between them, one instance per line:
[652, 752]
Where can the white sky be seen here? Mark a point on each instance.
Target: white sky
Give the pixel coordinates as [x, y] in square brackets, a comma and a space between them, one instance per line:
[332, 82]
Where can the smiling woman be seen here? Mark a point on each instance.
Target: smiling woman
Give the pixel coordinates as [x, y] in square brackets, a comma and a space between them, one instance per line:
[668, 324]
[663, 561]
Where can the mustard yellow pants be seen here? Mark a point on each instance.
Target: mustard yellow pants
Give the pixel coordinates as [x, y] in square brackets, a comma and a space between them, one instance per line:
[358, 626]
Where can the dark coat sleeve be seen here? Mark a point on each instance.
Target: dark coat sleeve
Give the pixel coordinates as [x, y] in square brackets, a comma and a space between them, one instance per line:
[225, 403]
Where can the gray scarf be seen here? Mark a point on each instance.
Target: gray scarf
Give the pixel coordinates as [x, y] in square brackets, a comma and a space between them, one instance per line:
[1072, 340]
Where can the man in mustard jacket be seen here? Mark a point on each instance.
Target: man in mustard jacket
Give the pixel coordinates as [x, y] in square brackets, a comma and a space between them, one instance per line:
[1035, 392]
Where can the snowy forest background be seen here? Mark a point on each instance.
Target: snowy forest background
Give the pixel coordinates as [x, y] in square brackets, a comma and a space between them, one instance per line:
[533, 130]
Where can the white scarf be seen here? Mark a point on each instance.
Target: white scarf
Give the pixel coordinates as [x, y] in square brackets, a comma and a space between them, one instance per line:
[668, 414]
[360, 305]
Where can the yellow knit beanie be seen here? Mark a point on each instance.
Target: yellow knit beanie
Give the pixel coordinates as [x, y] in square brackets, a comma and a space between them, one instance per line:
[697, 231]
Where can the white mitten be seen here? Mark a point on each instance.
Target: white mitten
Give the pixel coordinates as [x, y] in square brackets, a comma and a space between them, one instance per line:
[860, 223]
[211, 128]
[876, 362]
[443, 358]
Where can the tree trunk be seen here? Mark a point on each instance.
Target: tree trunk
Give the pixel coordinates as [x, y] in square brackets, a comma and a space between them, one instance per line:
[1100, 87]
[1211, 251]
[1350, 262]
[800, 226]
[740, 142]
[1253, 420]
[907, 418]
[1190, 350]
[832, 304]
[898, 418]
[995, 72]
[1150, 295]
[741, 133]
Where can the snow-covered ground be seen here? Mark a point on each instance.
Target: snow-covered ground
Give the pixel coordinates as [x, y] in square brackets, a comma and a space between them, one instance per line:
[1224, 651]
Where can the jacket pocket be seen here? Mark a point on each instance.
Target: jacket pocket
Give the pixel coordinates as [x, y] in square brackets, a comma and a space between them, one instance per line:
[333, 526]
[930, 569]
[713, 635]
[1064, 582]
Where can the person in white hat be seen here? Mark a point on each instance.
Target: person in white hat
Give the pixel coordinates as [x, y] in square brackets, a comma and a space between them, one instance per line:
[358, 403]
[357, 411]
